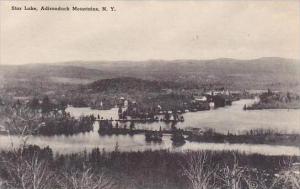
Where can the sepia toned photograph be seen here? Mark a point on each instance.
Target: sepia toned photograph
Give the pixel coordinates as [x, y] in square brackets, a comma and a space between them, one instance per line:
[128, 94]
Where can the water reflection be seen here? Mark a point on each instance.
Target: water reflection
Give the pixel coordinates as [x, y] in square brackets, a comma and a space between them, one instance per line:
[231, 118]
[88, 141]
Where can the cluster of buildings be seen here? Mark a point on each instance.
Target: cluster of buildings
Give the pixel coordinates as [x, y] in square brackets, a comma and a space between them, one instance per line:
[216, 98]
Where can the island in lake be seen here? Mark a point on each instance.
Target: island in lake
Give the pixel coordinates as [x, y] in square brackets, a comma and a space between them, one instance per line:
[275, 100]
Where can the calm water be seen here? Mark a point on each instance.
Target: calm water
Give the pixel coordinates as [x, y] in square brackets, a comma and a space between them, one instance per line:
[231, 118]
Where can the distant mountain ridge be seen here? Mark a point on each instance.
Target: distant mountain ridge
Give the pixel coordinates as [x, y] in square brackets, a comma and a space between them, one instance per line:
[51, 70]
[52, 73]
[261, 73]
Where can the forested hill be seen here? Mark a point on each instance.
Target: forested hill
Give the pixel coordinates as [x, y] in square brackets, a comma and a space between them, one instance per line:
[52, 73]
[40, 79]
[274, 73]
[125, 84]
[53, 70]
[261, 73]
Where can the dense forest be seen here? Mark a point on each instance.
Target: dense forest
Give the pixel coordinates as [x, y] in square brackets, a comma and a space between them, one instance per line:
[32, 167]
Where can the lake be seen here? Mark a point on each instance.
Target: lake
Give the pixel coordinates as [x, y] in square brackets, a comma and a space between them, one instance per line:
[231, 118]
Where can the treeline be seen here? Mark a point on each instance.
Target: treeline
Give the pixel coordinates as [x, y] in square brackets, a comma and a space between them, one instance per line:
[276, 100]
[43, 118]
[125, 84]
[66, 125]
[150, 169]
[252, 136]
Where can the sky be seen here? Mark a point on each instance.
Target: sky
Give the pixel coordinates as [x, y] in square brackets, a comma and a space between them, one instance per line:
[142, 30]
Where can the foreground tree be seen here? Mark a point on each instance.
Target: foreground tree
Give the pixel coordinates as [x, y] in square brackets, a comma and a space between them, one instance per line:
[231, 175]
[289, 177]
[198, 170]
[86, 179]
[27, 172]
